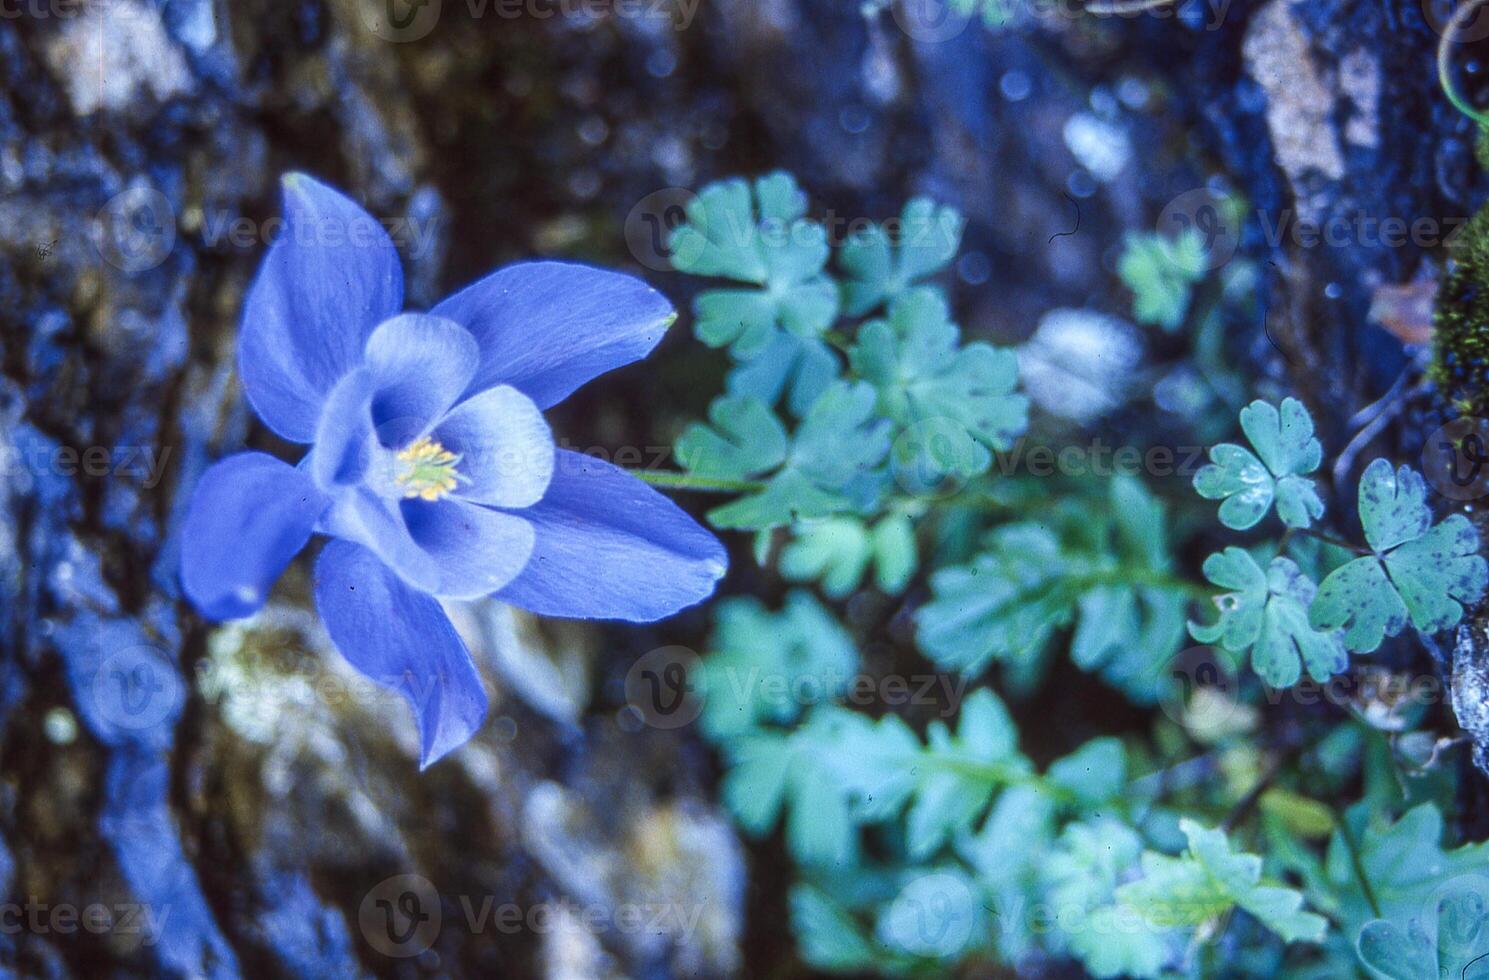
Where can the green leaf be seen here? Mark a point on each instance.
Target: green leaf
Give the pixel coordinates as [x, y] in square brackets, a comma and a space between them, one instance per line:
[896, 556]
[745, 439]
[1109, 575]
[763, 239]
[767, 667]
[1006, 853]
[1093, 774]
[772, 772]
[830, 459]
[1452, 944]
[1161, 273]
[1404, 863]
[827, 935]
[1081, 878]
[962, 771]
[838, 550]
[1418, 572]
[883, 261]
[1249, 483]
[1210, 879]
[925, 377]
[799, 368]
[1267, 613]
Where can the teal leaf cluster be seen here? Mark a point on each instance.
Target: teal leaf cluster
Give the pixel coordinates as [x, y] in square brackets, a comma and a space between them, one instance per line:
[883, 260]
[757, 234]
[816, 471]
[837, 551]
[1417, 571]
[964, 396]
[1108, 575]
[1266, 612]
[1249, 482]
[1209, 880]
[1458, 946]
[1162, 272]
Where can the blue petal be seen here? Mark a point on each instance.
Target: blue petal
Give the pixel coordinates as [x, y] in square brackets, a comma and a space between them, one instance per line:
[548, 327]
[421, 364]
[611, 547]
[506, 449]
[377, 523]
[344, 448]
[477, 550]
[329, 279]
[248, 517]
[402, 640]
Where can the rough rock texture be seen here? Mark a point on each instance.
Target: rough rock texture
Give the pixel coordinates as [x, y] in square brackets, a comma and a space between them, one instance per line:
[235, 783]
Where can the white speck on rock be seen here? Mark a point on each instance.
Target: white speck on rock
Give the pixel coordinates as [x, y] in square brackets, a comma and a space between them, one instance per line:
[1359, 77]
[113, 53]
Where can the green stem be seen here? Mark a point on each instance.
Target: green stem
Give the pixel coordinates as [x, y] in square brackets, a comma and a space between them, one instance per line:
[996, 774]
[1127, 575]
[1358, 865]
[1328, 539]
[691, 481]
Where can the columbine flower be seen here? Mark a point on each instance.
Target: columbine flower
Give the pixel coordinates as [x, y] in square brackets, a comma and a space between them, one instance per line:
[431, 466]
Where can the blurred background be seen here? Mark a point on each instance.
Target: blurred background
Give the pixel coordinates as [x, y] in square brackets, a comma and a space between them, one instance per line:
[216, 792]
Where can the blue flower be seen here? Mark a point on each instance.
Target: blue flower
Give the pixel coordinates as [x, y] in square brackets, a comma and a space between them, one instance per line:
[431, 467]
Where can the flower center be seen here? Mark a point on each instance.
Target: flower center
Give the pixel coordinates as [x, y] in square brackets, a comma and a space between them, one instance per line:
[427, 470]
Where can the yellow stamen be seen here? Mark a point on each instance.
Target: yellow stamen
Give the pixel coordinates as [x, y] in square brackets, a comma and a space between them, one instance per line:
[427, 470]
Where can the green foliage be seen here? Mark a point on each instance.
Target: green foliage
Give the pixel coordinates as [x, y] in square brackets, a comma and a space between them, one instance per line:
[766, 667]
[832, 455]
[1417, 570]
[1460, 340]
[1455, 948]
[1248, 485]
[962, 397]
[1378, 869]
[882, 261]
[1161, 272]
[756, 234]
[1108, 575]
[838, 550]
[1267, 613]
[1081, 878]
[1209, 880]
[867, 444]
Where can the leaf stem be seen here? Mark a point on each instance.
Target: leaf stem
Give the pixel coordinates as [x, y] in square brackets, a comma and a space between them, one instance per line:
[692, 481]
[1357, 864]
[1329, 539]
